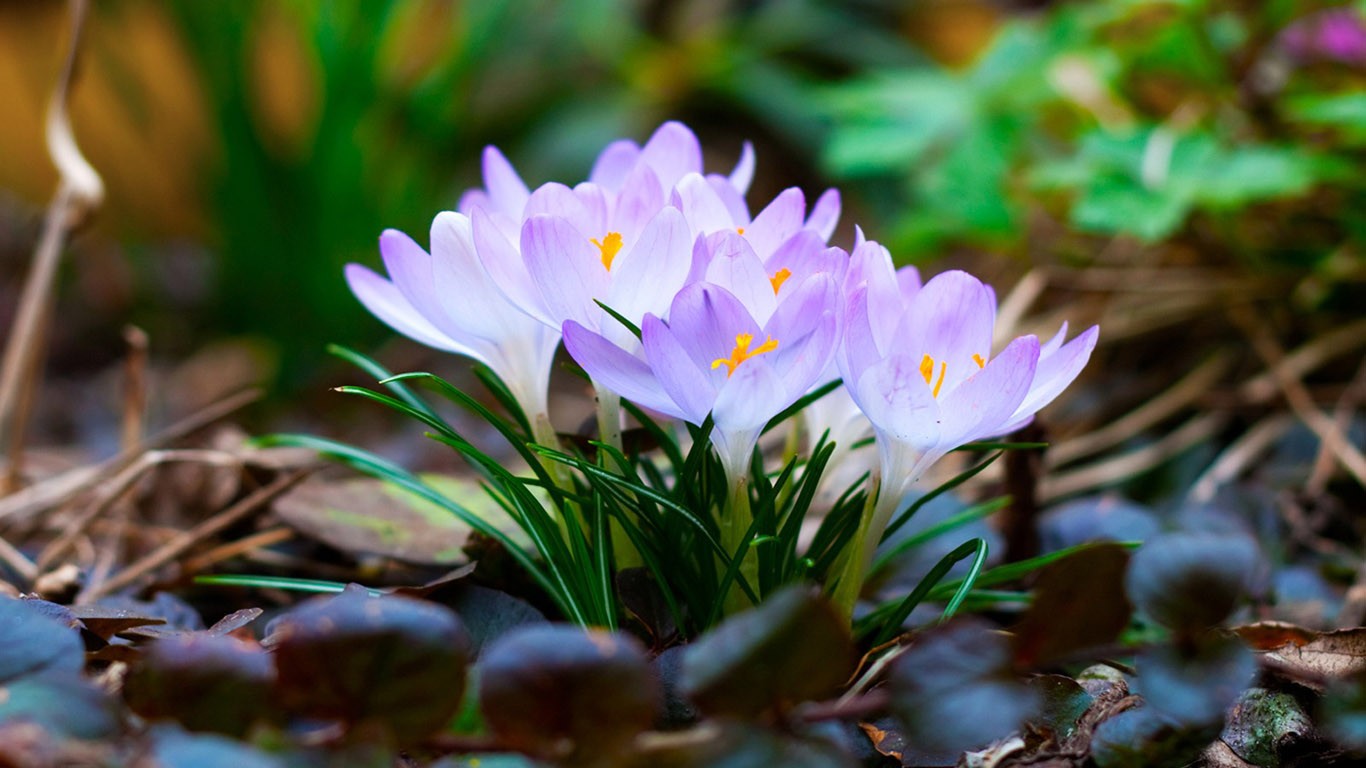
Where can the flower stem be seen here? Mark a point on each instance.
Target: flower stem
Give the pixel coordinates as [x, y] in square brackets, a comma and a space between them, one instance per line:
[735, 523]
[543, 432]
[858, 554]
[609, 433]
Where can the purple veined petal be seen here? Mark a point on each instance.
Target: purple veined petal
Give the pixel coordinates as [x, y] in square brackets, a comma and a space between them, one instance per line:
[471, 199]
[908, 283]
[470, 297]
[731, 198]
[800, 311]
[702, 249]
[1056, 371]
[802, 359]
[504, 265]
[743, 173]
[751, 396]
[893, 395]
[673, 152]
[777, 222]
[1053, 344]
[803, 255]
[735, 267]
[612, 367]
[506, 190]
[704, 210]
[410, 269]
[953, 316]
[859, 237]
[982, 405]
[825, 214]
[640, 199]
[614, 162]
[556, 199]
[871, 266]
[705, 320]
[859, 350]
[596, 204]
[691, 388]
[566, 267]
[383, 299]
[648, 274]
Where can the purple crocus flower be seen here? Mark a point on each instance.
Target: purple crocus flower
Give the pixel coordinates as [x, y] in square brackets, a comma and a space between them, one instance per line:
[714, 357]
[926, 378]
[1337, 35]
[446, 300]
[730, 260]
[710, 205]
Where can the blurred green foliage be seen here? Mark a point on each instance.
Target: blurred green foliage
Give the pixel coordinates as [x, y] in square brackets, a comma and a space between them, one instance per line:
[1239, 125]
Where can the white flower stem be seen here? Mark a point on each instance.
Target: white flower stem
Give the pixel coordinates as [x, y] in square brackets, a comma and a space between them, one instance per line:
[857, 557]
[609, 433]
[735, 522]
[543, 432]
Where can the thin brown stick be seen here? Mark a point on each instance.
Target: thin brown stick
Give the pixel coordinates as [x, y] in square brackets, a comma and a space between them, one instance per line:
[134, 388]
[164, 554]
[61, 488]
[1299, 399]
[79, 192]
[1110, 471]
[1352, 398]
[232, 549]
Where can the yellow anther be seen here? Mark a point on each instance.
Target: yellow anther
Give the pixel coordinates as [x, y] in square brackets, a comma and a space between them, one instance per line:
[742, 352]
[980, 362]
[779, 278]
[927, 370]
[609, 245]
[739, 230]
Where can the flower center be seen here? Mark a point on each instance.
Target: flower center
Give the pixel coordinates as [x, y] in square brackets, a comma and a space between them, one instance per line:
[608, 245]
[927, 370]
[779, 278]
[742, 352]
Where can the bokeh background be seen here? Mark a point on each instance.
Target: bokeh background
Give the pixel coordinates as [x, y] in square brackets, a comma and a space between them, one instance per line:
[1169, 168]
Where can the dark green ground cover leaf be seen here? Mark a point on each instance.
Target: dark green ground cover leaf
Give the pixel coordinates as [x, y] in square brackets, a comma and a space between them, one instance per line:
[953, 690]
[1062, 702]
[1139, 738]
[1264, 726]
[173, 748]
[1189, 581]
[1105, 518]
[1194, 685]
[391, 662]
[33, 640]
[488, 614]
[560, 692]
[61, 701]
[205, 682]
[794, 647]
[1079, 603]
[731, 744]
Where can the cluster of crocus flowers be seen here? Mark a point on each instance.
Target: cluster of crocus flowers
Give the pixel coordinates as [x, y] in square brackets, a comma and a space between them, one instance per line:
[738, 316]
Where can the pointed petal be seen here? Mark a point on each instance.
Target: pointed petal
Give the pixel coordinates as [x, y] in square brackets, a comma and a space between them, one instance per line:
[646, 277]
[566, 267]
[410, 268]
[777, 222]
[701, 206]
[825, 214]
[731, 198]
[471, 199]
[859, 352]
[502, 262]
[735, 267]
[954, 314]
[640, 199]
[506, 190]
[1058, 370]
[705, 320]
[689, 386]
[555, 199]
[614, 163]
[982, 405]
[1055, 343]
[673, 152]
[383, 299]
[743, 173]
[893, 395]
[614, 368]
[480, 309]
[750, 397]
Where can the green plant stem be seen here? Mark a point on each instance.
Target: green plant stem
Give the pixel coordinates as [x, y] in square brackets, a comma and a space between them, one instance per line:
[735, 524]
[857, 558]
[609, 433]
[543, 432]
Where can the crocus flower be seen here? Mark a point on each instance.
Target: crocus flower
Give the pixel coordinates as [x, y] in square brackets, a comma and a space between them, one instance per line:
[711, 205]
[446, 300]
[729, 259]
[714, 357]
[926, 377]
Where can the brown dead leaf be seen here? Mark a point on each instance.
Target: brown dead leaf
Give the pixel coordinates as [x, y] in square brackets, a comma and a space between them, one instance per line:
[105, 622]
[1270, 635]
[1330, 655]
[886, 742]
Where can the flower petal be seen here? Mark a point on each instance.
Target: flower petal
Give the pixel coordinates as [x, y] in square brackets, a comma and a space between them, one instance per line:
[641, 197]
[646, 277]
[825, 214]
[472, 299]
[953, 314]
[614, 162]
[503, 263]
[778, 221]
[1057, 370]
[616, 369]
[735, 266]
[383, 299]
[507, 192]
[750, 397]
[893, 395]
[673, 152]
[982, 405]
[689, 386]
[731, 198]
[566, 267]
[743, 174]
[704, 210]
[705, 319]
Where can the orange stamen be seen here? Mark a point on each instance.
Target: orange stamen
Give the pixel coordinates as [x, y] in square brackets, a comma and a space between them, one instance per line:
[927, 370]
[742, 352]
[609, 245]
[779, 278]
[739, 230]
[980, 362]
